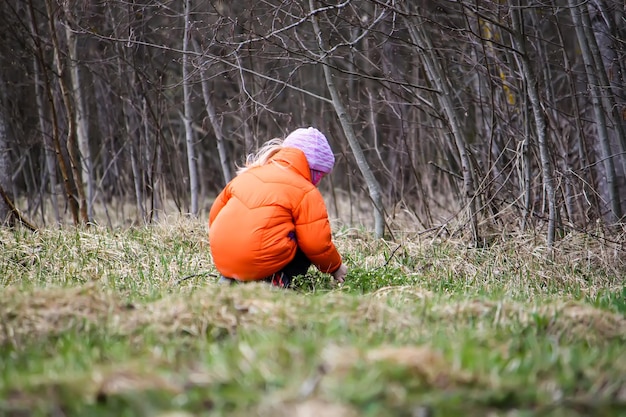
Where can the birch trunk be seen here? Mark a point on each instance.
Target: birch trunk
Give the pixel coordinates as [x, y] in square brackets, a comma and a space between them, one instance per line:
[71, 133]
[84, 160]
[348, 130]
[215, 123]
[603, 48]
[441, 82]
[527, 171]
[598, 112]
[532, 89]
[191, 156]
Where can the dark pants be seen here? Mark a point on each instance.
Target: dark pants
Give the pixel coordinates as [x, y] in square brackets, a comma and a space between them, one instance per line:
[299, 265]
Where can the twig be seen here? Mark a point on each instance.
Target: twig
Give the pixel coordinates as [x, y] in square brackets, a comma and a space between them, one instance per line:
[15, 212]
[393, 252]
[447, 171]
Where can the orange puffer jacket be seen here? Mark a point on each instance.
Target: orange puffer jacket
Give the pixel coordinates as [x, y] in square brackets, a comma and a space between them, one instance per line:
[260, 218]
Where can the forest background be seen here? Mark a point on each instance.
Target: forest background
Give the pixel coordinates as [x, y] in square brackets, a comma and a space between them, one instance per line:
[503, 115]
[456, 125]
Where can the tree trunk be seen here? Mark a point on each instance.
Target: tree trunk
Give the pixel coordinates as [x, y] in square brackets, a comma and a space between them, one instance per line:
[527, 170]
[215, 123]
[151, 161]
[67, 183]
[46, 130]
[71, 133]
[603, 48]
[532, 89]
[591, 71]
[440, 80]
[346, 124]
[136, 168]
[191, 156]
[109, 183]
[6, 214]
[84, 160]
[133, 135]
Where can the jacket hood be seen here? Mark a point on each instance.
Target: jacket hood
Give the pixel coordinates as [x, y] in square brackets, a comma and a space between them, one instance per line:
[294, 158]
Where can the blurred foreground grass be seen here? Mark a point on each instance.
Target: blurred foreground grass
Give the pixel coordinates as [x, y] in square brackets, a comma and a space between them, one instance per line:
[132, 322]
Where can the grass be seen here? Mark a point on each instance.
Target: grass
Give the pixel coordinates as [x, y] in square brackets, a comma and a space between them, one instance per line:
[101, 322]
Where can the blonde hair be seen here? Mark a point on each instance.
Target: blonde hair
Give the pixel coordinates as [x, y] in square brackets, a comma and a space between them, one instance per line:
[264, 154]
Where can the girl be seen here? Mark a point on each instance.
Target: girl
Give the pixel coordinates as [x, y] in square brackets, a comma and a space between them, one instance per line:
[270, 222]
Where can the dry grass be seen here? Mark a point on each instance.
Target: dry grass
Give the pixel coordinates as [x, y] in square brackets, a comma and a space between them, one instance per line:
[44, 312]
[421, 318]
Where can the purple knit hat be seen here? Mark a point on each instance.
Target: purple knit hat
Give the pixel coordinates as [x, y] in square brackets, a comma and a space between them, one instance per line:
[315, 147]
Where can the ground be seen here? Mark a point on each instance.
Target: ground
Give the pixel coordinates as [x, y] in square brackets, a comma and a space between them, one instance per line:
[132, 321]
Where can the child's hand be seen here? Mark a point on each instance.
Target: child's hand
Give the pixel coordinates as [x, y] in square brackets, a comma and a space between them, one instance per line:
[341, 273]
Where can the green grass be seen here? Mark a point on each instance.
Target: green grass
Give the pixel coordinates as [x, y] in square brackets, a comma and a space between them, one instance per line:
[98, 322]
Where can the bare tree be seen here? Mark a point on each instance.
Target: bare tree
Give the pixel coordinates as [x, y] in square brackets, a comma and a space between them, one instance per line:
[69, 112]
[347, 125]
[604, 49]
[212, 116]
[187, 118]
[84, 159]
[68, 184]
[438, 76]
[591, 71]
[532, 89]
[44, 123]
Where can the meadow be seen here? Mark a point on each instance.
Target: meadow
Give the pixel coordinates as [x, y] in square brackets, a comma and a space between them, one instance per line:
[131, 322]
